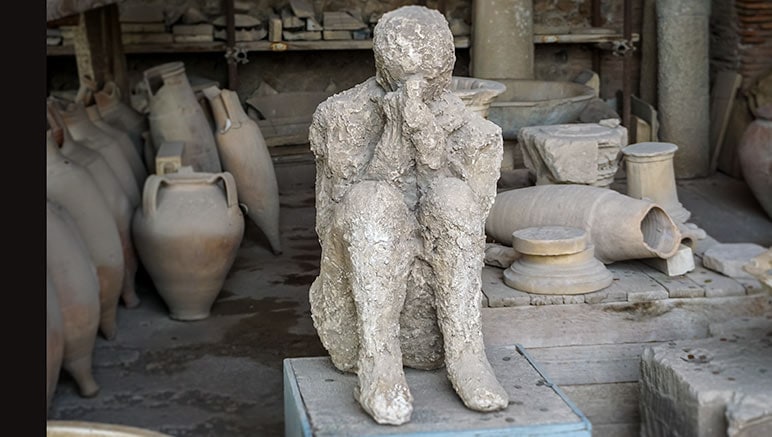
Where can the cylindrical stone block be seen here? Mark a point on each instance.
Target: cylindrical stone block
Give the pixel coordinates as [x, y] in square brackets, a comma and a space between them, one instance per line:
[502, 39]
[683, 88]
[650, 175]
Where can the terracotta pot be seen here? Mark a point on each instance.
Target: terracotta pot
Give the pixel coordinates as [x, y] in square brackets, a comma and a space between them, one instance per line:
[121, 116]
[245, 155]
[619, 226]
[113, 194]
[175, 115]
[54, 341]
[70, 186]
[755, 153]
[74, 279]
[71, 428]
[81, 128]
[133, 157]
[187, 234]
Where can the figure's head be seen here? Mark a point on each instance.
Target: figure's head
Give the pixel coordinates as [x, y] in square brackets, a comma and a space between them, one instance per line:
[414, 40]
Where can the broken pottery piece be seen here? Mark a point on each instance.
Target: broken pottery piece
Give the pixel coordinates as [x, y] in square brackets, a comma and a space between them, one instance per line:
[729, 258]
[650, 175]
[620, 227]
[555, 260]
[405, 178]
[72, 187]
[498, 255]
[187, 234]
[74, 280]
[244, 154]
[580, 153]
[175, 115]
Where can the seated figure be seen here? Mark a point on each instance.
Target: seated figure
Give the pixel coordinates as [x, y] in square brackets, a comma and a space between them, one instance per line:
[406, 175]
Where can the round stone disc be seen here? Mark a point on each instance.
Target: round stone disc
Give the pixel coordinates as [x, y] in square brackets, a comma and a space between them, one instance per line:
[649, 149]
[549, 240]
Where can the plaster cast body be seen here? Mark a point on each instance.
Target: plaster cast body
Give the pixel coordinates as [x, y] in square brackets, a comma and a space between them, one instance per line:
[405, 178]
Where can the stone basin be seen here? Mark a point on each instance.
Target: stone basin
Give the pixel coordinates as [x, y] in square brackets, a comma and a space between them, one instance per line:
[537, 103]
[477, 94]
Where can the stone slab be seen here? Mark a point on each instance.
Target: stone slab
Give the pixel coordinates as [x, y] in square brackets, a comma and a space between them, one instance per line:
[319, 401]
[193, 29]
[336, 35]
[340, 20]
[715, 285]
[615, 322]
[302, 8]
[301, 36]
[676, 286]
[500, 294]
[679, 264]
[730, 258]
[143, 27]
[688, 386]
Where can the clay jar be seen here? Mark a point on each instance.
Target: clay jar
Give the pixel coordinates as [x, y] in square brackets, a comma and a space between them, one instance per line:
[245, 155]
[54, 341]
[75, 118]
[619, 226]
[175, 115]
[113, 194]
[75, 282]
[127, 146]
[70, 186]
[187, 234]
[755, 152]
[120, 115]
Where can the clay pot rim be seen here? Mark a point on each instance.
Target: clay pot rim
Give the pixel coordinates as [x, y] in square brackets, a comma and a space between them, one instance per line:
[165, 70]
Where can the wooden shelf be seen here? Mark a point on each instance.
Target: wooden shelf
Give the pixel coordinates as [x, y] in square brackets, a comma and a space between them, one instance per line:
[211, 47]
[580, 38]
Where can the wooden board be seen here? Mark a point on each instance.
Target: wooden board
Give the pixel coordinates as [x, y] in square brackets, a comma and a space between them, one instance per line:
[721, 100]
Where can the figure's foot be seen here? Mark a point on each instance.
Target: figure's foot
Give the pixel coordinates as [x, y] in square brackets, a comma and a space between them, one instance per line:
[474, 381]
[384, 394]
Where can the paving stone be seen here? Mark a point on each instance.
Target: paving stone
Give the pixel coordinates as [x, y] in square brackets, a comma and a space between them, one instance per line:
[715, 285]
[729, 259]
[646, 296]
[676, 286]
[546, 299]
[500, 294]
[611, 293]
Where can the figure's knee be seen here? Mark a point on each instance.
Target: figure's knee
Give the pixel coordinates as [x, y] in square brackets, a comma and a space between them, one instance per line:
[451, 200]
[372, 211]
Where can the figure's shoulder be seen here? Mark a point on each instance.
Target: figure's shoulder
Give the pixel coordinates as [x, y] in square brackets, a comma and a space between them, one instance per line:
[353, 100]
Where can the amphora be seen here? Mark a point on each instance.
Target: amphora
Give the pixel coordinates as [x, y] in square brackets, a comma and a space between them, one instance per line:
[755, 152]
[175, 115]
[120, 115]
[187, 234]
[117, 201]
[71, 186]
[245, 155]
[54, 341]
[74, 279]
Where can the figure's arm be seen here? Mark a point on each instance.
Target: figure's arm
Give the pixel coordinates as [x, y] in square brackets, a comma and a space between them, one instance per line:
[476, 152]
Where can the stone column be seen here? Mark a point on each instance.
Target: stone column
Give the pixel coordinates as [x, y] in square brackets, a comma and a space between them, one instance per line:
[683, 82]
[502, 39]
[650, 175]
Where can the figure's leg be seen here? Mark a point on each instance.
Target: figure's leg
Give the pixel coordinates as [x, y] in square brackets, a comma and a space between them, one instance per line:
[376, 234]
[455, 238]
[419, 333]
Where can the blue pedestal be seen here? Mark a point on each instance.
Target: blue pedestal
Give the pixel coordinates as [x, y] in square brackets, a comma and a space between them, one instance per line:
[319, 401]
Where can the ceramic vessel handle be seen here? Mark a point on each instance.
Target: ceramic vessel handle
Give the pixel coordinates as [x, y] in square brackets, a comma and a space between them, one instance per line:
[150, 194]
[230, 188]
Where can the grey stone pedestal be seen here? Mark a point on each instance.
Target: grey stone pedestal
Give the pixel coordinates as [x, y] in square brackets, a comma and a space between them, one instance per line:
[319, 401]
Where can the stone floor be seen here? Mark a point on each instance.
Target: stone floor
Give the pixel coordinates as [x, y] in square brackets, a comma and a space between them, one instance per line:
[223, 376]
